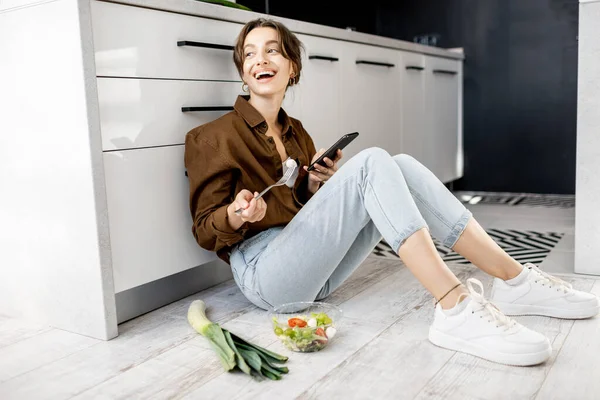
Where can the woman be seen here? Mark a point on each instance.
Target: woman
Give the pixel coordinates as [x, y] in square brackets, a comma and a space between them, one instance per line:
[300, 243]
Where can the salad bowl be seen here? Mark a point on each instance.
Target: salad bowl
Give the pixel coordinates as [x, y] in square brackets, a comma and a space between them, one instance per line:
[305, 326]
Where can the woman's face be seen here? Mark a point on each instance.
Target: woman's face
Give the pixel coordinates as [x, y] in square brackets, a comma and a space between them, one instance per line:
[266, 71]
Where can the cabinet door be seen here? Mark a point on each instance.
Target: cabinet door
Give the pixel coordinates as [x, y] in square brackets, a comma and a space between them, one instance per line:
[417, 140]
[149, 218]
[319, 89]
[444, 99]
[370, 97]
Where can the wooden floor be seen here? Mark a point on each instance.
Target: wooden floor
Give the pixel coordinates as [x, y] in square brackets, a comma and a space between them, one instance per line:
[381, 350]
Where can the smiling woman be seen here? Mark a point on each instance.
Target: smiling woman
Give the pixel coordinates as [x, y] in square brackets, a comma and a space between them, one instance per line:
[268, 56]
[301, 241]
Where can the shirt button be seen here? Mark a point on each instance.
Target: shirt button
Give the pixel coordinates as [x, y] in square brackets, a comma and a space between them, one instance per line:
[271, 140]
[262, 128]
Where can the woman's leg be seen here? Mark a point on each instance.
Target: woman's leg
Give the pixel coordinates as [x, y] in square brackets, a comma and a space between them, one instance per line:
[479, 248]
[363, 245]
[327, 240]
[370, 188]
[516, 290]
[419, 255]
[440, 208]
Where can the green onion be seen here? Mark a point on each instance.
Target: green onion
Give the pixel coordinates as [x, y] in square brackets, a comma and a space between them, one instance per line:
[233, 351]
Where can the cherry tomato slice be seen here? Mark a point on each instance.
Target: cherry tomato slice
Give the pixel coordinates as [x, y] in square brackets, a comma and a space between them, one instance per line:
[299, 322]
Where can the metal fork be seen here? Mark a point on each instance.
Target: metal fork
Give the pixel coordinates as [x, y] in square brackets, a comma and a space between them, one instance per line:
[284, 179]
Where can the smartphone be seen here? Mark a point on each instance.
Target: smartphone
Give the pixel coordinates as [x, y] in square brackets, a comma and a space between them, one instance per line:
[332, 151]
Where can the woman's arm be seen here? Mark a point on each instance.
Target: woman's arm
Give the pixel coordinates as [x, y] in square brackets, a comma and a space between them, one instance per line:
[212, 181]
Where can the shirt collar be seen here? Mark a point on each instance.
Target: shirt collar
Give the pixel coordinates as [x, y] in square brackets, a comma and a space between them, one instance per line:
[254, 118]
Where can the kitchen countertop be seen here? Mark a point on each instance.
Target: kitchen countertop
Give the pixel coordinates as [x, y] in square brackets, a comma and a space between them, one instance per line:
[213, 11]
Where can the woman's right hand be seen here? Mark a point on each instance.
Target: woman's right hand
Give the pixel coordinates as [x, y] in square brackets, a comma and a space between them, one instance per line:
[254, 210]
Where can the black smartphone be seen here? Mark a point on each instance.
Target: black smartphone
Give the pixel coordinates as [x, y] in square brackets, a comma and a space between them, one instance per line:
[332, 151]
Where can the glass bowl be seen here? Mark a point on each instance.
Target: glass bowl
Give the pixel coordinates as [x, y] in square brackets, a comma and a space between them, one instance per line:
[305, 326]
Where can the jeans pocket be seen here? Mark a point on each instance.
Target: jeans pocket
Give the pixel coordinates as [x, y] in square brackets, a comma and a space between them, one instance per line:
[252, 248]
[243, 275]
[238, 267]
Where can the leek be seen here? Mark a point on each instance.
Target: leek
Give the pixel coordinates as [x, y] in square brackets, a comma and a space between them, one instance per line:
[233, 351]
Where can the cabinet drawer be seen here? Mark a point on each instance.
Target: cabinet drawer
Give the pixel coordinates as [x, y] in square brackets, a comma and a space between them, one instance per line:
[138, 113]
[149, 219]
[138, 42]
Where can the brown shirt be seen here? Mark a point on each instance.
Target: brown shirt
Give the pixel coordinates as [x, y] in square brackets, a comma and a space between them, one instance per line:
[233, 153]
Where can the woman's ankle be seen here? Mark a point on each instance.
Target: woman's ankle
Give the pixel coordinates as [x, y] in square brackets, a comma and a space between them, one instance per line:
[511, 271]
[454, 297]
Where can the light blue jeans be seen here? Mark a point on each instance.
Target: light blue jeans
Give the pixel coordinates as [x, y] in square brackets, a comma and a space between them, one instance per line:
[373, 195]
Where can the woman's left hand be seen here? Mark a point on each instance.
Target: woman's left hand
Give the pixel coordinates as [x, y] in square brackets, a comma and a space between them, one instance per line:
[322, 173]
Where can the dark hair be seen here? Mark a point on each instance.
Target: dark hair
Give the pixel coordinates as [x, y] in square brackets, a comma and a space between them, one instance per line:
[291, 47]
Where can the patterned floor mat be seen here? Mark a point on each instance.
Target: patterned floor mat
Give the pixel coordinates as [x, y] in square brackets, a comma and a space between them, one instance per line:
[523, 246]
[510, 199]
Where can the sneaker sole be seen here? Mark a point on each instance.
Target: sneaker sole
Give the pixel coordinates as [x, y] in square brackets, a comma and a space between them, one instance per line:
[521, 360]
[521, 309]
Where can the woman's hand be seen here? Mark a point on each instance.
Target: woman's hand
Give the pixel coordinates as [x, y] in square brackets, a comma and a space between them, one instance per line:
[254, 210]
[321, 173]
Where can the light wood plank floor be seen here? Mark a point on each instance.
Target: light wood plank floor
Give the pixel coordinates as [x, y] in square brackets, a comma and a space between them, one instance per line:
[381, 351]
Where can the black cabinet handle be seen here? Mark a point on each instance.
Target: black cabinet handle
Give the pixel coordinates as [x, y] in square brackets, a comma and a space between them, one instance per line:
[203, 44]
[213, 108]
[444, 71]
[325, 58]
[380, 64]
[415, 67]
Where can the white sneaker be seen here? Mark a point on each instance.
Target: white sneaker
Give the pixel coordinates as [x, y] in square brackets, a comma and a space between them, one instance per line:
[542, 294]
[480, 329]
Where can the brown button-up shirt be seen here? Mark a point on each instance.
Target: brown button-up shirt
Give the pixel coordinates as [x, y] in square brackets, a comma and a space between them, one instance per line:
[233, 153]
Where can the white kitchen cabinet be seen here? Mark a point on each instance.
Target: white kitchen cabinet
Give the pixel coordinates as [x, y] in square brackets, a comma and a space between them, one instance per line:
[417, 138]
[370, 97]
[319, 89]
[442, 113]
[149, 219]
[136, 113]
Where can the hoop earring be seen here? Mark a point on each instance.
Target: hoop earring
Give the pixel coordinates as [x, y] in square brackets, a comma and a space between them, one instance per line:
[245, 87]
[291, 82]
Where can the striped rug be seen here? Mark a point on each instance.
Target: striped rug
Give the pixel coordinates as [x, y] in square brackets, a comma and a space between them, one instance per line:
[523, 246]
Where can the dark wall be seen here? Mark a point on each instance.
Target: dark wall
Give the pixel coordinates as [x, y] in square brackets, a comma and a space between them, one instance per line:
[520, 79]
[336, 13]
[520, 86]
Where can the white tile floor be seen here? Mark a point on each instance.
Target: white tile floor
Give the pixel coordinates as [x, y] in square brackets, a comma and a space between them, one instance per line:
[381, 351]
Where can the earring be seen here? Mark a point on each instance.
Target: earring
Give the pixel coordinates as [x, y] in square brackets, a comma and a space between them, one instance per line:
[245, 87]
[292, 80]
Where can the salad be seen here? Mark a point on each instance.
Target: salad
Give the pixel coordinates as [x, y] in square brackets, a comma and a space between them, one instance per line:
[305, 333]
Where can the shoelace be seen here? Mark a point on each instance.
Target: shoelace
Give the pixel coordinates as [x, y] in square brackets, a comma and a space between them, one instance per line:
[550, 280]
[488, 310]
